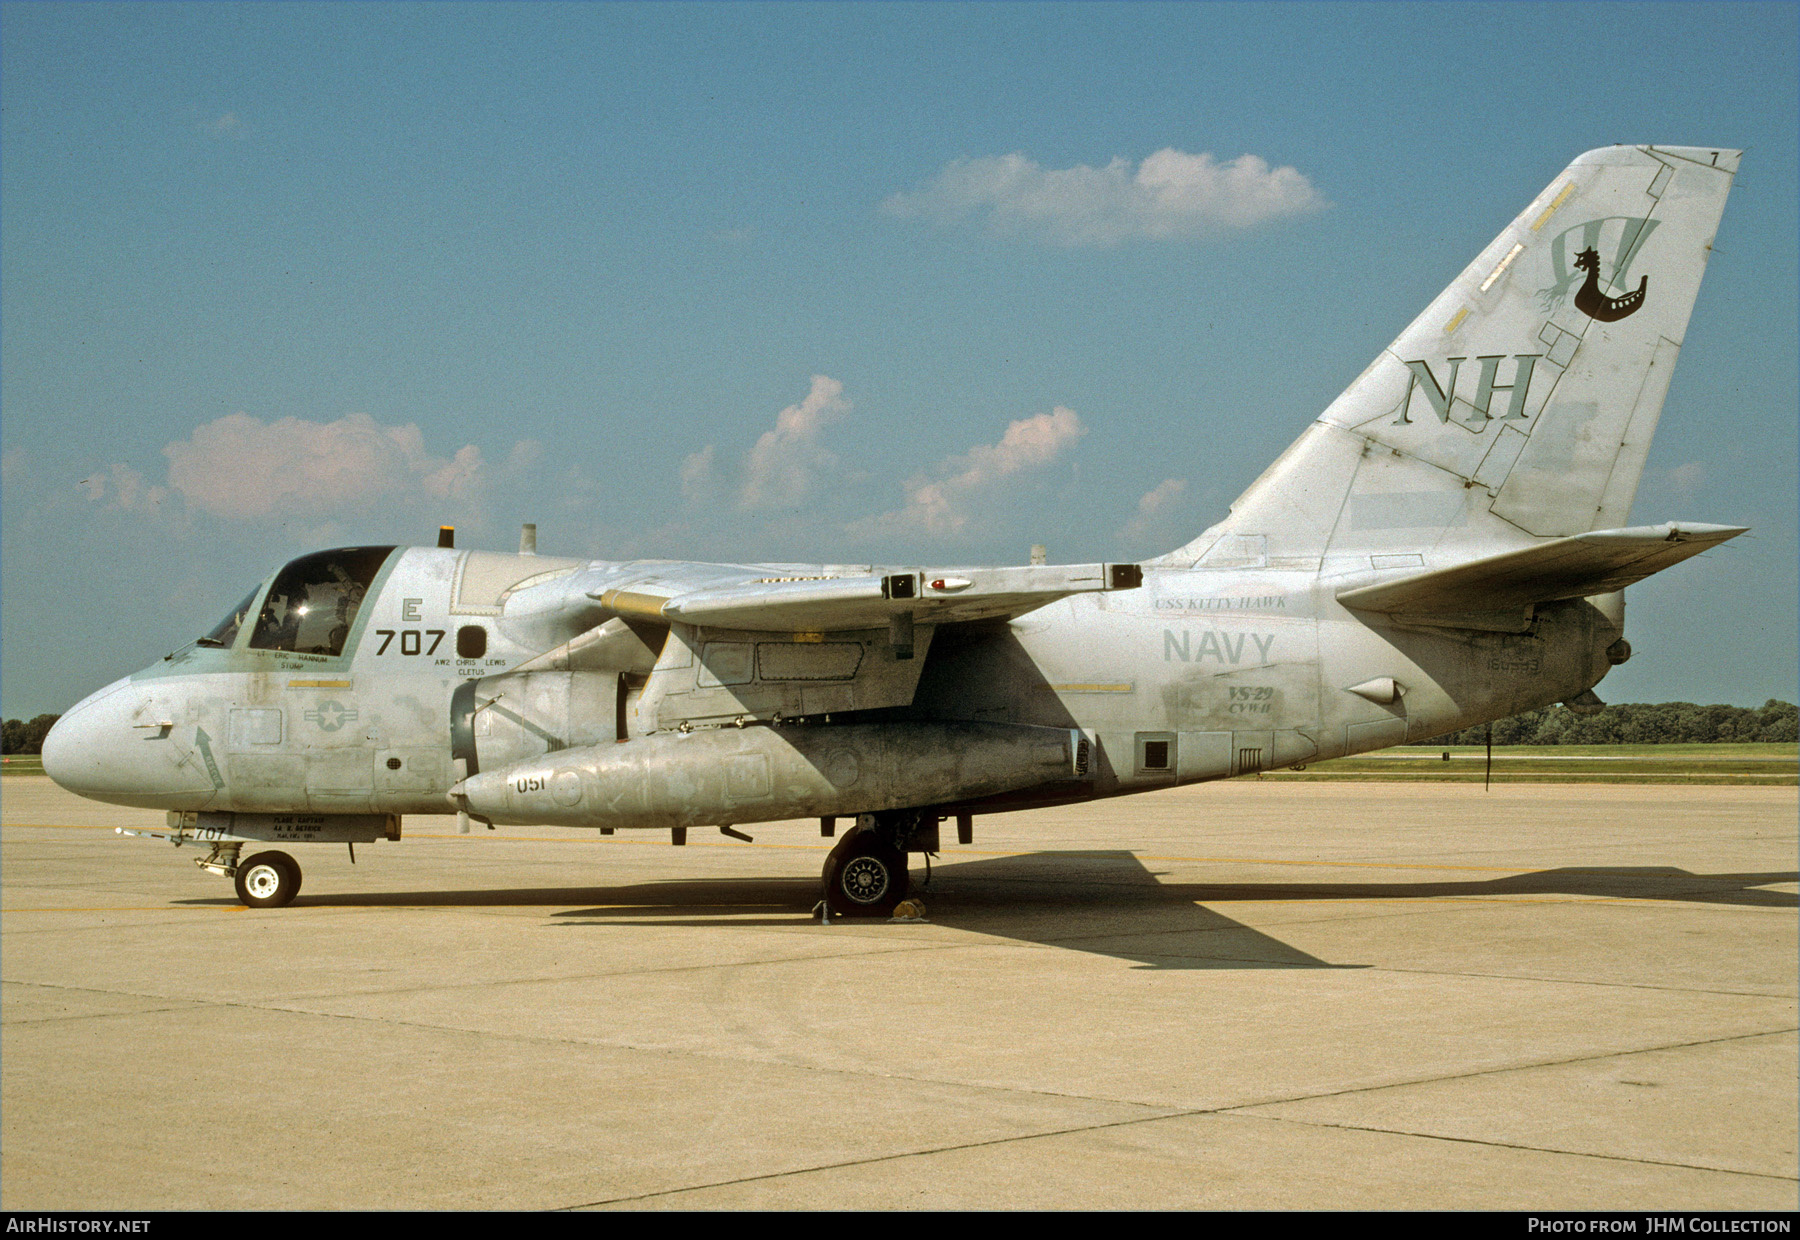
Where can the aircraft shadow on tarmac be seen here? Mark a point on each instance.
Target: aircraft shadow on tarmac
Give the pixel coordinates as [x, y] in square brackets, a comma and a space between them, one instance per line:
[1107, 903]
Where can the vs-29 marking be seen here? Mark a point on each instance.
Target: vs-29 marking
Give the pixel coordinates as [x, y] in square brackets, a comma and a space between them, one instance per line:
[1253, 699]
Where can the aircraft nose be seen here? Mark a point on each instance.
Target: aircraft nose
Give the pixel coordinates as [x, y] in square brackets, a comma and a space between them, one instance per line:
[68, 747]
[107, 747]
[59, 752]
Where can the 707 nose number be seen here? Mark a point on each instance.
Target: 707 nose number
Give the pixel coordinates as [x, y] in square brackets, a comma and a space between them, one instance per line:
[412, 641]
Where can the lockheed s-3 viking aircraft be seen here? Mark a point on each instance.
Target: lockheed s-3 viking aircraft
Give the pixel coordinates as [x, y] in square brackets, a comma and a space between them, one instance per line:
[1446, 545]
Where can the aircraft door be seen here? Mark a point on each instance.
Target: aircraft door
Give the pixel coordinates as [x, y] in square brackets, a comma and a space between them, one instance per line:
[1204, 755]
[260, 772]
[340, 779]
[1219, 755]
[328, 750]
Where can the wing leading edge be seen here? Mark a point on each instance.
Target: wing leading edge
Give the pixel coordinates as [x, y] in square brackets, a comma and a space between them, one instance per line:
[785, 604]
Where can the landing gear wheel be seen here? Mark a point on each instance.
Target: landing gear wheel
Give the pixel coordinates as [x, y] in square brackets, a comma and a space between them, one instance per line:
[268, 880]
[864, 877]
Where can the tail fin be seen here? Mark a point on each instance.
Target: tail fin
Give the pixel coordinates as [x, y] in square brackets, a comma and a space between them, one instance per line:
[1520, 405]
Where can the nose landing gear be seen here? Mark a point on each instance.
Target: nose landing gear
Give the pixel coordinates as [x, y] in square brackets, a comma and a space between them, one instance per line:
[265, 879]
[268, 880]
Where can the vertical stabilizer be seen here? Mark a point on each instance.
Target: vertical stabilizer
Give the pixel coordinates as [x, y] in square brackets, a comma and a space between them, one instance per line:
[1520, 405]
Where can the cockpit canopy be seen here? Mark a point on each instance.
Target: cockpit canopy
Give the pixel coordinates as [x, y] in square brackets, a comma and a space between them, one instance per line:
[225, 632]
[312, 605]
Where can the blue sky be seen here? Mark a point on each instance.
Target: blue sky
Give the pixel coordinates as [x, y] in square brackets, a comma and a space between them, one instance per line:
[808, 282]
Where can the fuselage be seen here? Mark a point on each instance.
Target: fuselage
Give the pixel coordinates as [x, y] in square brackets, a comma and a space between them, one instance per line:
[334, 693]
[1446, 544]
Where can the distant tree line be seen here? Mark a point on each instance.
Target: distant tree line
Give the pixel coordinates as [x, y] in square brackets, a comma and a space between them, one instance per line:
[1640, 723]
[20, 737]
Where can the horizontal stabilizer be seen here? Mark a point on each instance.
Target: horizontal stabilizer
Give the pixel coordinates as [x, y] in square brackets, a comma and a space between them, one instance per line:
[1575, 567]
[933, 596]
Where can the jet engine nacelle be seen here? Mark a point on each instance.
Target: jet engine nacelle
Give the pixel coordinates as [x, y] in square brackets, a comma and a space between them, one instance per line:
[501, 720]
[573, 696]
[759, 774]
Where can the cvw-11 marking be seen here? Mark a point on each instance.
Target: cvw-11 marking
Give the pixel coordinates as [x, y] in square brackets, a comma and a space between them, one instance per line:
[1221, 646]
[1252, 699]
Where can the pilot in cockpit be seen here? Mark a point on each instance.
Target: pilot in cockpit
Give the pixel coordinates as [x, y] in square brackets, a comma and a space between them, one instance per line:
[281, 620]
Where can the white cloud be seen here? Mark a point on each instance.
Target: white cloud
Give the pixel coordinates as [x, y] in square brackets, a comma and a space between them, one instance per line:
[1688, 479]
[1170, 195]
[224, 125]
[125, 489]
[944, 504]
[239, 467]
[698, 479]
[785, 497]
[1154, 509]
[787, 463]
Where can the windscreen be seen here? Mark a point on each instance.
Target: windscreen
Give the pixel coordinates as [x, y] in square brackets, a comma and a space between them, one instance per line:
[225, 632]
[314, 601]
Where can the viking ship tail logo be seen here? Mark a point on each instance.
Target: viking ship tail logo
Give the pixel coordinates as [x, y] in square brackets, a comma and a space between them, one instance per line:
[1597, 305]
[1603, 251]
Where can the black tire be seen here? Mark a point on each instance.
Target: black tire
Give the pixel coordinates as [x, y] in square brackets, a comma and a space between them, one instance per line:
[864, 877]
[268, 880]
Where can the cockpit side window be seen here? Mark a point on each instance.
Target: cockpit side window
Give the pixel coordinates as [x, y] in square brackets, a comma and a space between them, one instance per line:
[225, 632]
[313, 603]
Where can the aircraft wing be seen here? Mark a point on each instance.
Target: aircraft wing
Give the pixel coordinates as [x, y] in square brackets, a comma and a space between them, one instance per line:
[778, 601]
[1575, 567]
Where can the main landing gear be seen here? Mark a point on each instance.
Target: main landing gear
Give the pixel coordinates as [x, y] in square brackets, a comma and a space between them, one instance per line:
[865, 875]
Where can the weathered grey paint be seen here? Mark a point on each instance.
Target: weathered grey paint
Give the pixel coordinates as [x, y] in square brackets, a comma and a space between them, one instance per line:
[1390, 577]
[761, 773]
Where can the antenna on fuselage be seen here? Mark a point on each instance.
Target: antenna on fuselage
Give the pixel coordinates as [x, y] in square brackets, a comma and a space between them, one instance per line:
[528, 538]
[446, 536]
